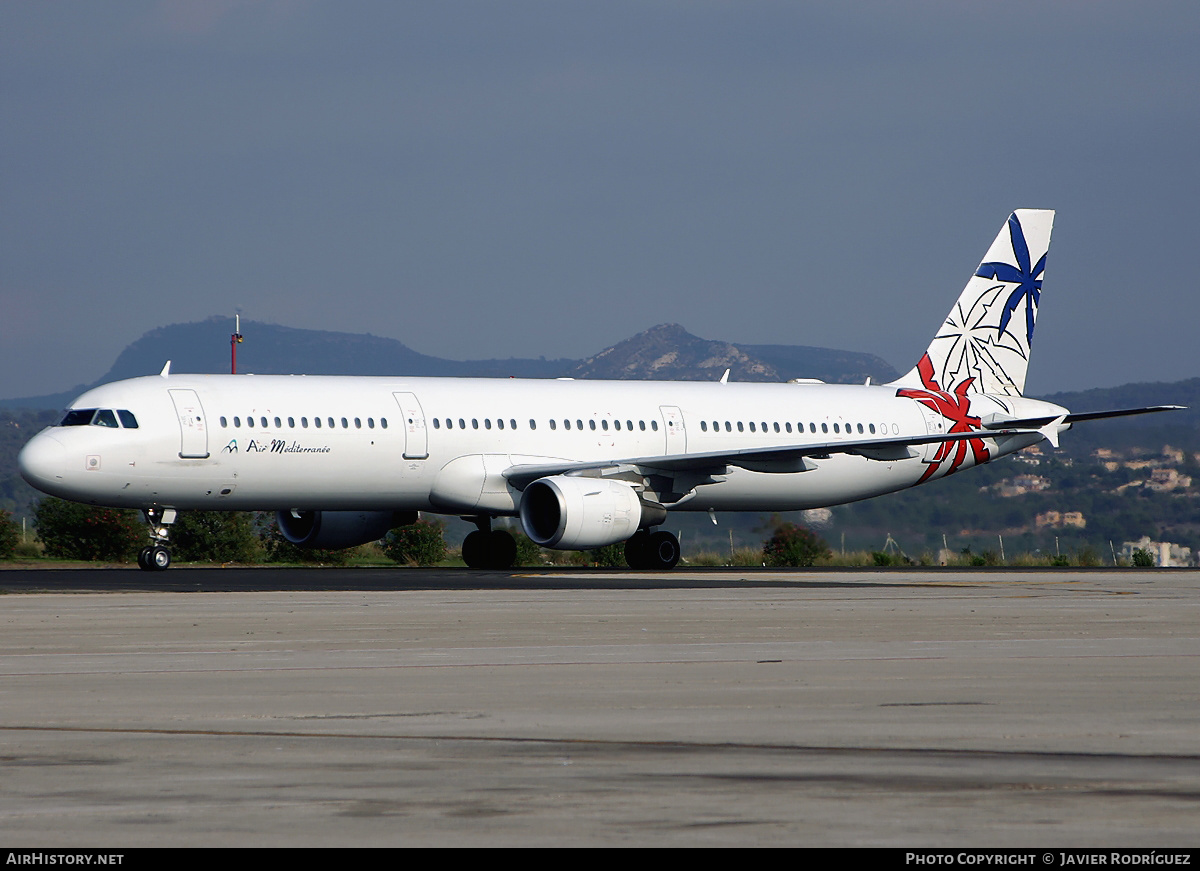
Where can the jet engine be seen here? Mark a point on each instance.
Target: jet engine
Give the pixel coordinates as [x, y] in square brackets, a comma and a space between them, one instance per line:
[332, 530]
[575, 513]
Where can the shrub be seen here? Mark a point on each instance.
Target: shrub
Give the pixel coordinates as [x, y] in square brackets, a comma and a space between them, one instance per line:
[1143, 559]
[215, 536]
[793, 545]
[419, 544]
[280, 550]
[73, 531]
[9, 537]
[609, 556]
[528, 553]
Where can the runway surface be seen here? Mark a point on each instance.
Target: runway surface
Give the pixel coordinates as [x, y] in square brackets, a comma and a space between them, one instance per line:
[717, 708]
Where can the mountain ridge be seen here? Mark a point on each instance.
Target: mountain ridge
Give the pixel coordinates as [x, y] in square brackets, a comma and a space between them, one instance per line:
[663, 352]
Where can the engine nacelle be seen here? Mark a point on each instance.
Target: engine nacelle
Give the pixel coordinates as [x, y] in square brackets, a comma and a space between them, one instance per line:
[574, 513]
[332, 530]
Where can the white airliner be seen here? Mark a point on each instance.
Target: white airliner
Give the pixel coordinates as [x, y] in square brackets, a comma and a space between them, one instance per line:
[582, 463]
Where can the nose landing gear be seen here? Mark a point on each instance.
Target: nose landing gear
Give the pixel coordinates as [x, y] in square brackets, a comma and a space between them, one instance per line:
[157, 557]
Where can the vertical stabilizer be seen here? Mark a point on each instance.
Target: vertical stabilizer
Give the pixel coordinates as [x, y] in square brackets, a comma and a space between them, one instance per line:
[984, 344]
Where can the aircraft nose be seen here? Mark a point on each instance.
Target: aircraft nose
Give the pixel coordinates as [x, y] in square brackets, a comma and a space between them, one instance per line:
[43, 462]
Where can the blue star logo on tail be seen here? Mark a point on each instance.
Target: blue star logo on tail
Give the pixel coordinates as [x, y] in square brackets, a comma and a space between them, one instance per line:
[1028, 279]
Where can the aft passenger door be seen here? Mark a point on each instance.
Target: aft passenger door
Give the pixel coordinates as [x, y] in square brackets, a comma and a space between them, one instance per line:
[416, 440]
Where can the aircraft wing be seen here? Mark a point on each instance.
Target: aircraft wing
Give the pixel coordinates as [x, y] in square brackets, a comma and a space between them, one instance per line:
[780, 459]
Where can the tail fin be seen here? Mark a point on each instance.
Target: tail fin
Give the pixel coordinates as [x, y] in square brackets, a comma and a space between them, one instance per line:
[984, 345]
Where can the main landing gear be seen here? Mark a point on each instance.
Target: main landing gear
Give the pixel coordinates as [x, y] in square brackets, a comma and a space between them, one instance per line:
[156, 557]
[488, 548]
[655, 551]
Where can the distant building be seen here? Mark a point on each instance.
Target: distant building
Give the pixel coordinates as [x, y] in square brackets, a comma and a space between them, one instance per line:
[1168, 479]
[1165, 553]
[1172, 455]
[817, 516]
[1060, 520]
[1031, 455]
[1020, 485]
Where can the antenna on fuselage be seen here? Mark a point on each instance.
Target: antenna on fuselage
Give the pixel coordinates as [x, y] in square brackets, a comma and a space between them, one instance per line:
[234, 341]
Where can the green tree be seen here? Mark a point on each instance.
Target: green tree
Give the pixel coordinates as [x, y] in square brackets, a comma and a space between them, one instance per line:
[528, 553]
[420, 544]
[793, 545]
[609, 556]
[70, 530]
[215, 536]
[8, 535]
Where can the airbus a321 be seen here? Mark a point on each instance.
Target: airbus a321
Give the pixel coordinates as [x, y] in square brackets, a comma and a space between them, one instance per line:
[583, 464]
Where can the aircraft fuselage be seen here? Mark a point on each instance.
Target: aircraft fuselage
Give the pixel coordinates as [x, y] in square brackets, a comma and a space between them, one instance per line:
[251, 442]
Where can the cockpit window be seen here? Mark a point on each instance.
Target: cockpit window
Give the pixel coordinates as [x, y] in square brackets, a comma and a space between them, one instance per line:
[78, 417]
[99, 417]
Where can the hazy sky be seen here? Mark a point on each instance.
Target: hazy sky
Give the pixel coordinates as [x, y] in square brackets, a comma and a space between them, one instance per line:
[494, 179]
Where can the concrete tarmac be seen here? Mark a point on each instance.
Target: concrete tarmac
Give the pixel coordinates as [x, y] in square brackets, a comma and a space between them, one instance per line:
[944, 709]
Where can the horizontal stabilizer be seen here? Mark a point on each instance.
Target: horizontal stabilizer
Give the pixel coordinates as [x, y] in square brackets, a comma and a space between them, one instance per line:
[1039, 422]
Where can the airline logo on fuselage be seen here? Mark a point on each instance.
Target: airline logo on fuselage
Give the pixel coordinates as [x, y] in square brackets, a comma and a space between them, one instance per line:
[281, 446]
